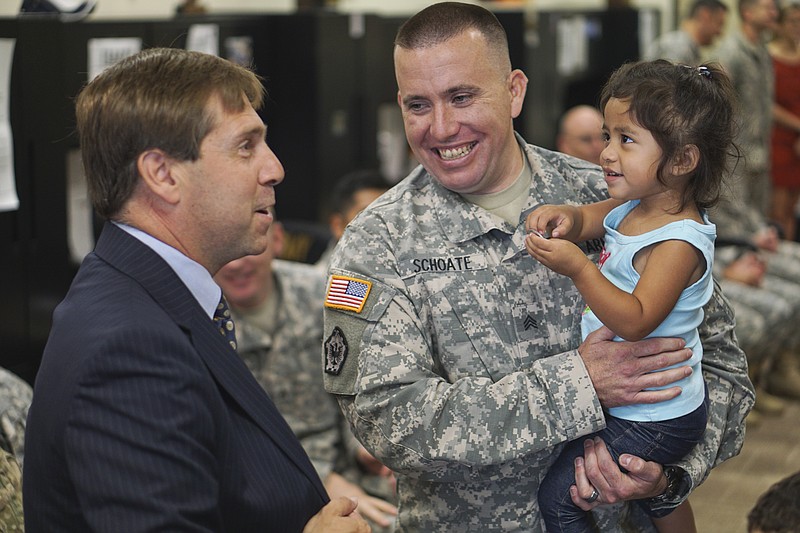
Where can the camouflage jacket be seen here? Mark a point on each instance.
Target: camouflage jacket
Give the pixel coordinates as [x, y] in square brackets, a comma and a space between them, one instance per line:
[11, 518]
[751, 72]
[453, 353]
[14, 403]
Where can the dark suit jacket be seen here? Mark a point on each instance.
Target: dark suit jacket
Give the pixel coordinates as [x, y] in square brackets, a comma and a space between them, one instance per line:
[144, 419]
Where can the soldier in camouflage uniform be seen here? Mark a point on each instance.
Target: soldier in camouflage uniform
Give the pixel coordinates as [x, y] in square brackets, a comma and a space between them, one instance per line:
[277, 309]
[745, 57]
[14, 403]
[740, 216]
[457, 357]
[703, 24]
[11, 518]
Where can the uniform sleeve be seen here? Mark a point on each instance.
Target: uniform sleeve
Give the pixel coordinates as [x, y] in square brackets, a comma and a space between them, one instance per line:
[730, 392]
[381, 363]
[14, 403]
[11, 515]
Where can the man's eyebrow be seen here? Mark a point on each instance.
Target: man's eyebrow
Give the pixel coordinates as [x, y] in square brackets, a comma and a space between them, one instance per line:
[461, 88]
[410, 98]
[255, 131]
[449, 92]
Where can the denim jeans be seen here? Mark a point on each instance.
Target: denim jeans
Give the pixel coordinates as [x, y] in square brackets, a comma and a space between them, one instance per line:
[664, 442]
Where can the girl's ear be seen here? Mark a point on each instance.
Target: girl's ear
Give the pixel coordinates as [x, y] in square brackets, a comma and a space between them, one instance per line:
[686, 160]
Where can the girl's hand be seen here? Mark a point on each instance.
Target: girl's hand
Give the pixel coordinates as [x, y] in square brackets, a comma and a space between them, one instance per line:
[558, 255]
[553, 220]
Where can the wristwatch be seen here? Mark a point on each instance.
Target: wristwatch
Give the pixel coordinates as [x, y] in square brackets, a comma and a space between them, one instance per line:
[674, 477]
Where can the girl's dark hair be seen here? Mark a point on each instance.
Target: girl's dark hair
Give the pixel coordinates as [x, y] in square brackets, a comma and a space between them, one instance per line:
[682, 105]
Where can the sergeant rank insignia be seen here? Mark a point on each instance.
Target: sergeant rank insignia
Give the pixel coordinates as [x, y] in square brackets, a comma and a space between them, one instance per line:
[335, 352]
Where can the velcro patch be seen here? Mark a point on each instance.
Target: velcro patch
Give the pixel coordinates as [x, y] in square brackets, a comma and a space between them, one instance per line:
[335, 352]
[349, 294]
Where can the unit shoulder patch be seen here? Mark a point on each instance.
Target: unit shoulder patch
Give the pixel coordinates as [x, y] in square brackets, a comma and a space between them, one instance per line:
[335, 352]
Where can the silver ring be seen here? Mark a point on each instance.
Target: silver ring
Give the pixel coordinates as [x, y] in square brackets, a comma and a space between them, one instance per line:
[593, 497]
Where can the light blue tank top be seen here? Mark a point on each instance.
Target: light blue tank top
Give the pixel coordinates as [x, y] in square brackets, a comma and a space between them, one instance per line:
[616, 264]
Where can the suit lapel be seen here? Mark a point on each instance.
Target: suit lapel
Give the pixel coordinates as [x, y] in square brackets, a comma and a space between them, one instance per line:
[140, 262]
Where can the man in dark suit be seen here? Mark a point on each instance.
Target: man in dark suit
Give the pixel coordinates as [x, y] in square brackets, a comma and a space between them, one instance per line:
[143, 417]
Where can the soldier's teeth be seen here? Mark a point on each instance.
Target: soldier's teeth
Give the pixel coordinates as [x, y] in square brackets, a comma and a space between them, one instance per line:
[455, 153]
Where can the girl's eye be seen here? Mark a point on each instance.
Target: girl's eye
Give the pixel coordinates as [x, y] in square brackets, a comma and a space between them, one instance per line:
[626, 139]
[606, 137]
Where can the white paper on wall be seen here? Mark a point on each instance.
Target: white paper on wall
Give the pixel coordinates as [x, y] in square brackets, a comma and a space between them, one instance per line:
[105, 52]
[9, 201]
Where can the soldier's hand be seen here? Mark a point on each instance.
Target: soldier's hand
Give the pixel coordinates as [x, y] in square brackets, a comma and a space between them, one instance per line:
[597, 470]
[379, 511]
[338, 516]
[621, 371]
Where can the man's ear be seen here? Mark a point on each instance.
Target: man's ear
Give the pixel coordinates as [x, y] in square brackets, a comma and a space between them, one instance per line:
[158, 173]
[686, 160]
[336, 224]
[518, 86]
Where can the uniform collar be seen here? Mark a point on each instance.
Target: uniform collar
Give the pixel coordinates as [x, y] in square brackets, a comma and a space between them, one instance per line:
[461, 220]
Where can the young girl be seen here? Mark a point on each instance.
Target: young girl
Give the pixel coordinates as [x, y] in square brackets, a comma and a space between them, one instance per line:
[668, 131]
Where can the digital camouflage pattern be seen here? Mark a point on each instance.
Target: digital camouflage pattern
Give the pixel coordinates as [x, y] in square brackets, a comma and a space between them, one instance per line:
[11, 519]
[462, 372]
[14, 403]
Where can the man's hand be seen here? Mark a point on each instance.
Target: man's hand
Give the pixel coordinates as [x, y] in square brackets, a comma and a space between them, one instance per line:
[371, 464]
[621, 371]
[767, 239]
[338, 516]
[749, 269]
[379, 511]
[596, 470]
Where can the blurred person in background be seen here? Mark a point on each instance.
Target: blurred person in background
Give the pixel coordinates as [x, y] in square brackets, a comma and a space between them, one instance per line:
[702, 25]
[580, 133]
[785, 52]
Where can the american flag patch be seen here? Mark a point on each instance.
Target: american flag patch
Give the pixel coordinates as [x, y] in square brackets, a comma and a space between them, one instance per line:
[346, 293]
